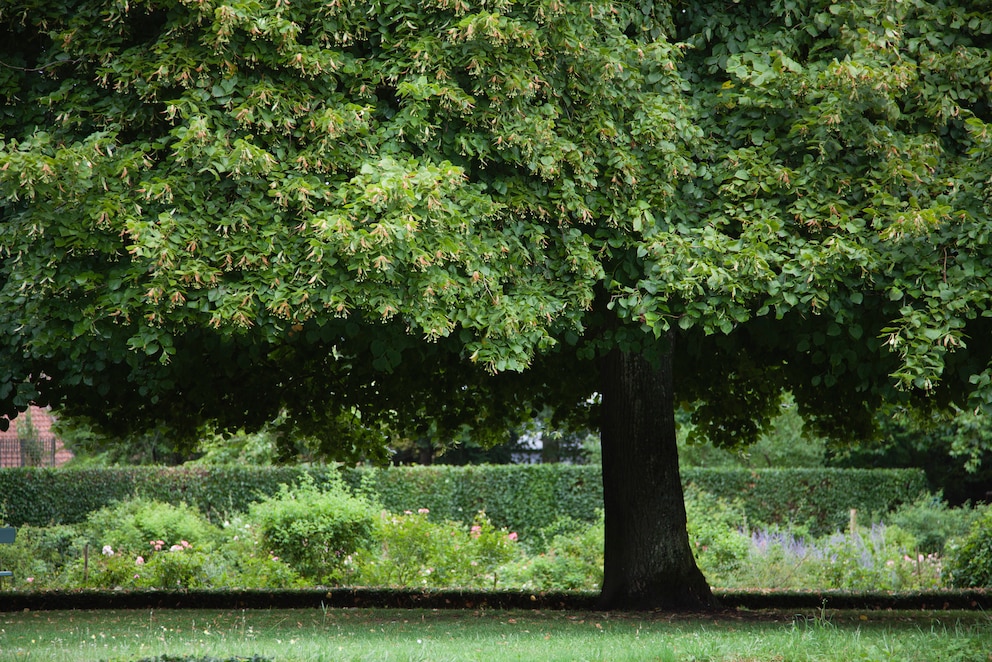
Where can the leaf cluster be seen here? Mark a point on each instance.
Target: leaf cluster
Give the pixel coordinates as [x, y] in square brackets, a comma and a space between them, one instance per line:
[224, 210]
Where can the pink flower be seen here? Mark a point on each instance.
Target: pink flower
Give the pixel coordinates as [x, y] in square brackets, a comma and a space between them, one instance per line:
[139, 561]
[476, 531]
[512, 535]
[423, 511]
[30, 580]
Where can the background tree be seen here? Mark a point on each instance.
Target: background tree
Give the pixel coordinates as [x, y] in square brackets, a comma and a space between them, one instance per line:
[451, 214]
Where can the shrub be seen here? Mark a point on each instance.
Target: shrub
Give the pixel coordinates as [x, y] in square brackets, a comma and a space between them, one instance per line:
[314, 530]
[820, 499]
[878, 558]
[932, 523]
[969, 560]
[244, 562]
[416, 552]
[39, 556]
[714, 533]
[875, 558]
[572, 559]
[179, 568]
[133, 525]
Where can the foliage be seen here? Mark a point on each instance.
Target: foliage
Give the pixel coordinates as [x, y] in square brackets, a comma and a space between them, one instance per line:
[314, 528]
[932, 523]
[952, 450]
[390, 216]
[569, 558]
[245, 561]
[116, 570]
[524, 498]
[819, 499]
[970, 558]
[714, 532]
[785, 443]
[41, 496]
[41, 554]
[208, 203]
[878, 558]
[135, 524]
[413, 551]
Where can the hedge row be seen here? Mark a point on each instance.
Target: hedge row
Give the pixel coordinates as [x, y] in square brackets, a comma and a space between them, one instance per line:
[522, 497]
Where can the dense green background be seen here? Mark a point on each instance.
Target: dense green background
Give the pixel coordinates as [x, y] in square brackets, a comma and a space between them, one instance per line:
[522, 497]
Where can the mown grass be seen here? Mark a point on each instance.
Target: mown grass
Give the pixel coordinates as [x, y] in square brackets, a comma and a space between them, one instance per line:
[363, 634]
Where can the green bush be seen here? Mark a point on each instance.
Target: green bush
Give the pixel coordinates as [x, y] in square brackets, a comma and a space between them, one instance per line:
[180, 568]
[876, 558]
[142, 526]
[246, 563]
[415, 552]
[39, 556]
[969, 560]
[932, 523]
[45, 496]
[571, 559]
[314, 529]
[714, 533]
[235, 561]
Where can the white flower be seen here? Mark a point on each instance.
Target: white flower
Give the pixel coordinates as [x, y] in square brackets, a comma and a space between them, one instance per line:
[108, 550]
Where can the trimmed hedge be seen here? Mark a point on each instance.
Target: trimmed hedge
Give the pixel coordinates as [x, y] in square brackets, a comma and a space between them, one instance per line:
[521, 497]
[821, 498]
[375, 598]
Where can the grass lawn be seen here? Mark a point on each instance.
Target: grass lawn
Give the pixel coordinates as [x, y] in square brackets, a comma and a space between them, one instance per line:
[365, 634]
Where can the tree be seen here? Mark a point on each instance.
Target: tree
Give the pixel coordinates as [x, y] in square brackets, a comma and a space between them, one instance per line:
[446, 213]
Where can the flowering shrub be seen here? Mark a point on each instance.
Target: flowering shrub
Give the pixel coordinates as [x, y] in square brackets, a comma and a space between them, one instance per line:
[570, 558]
[876, 558]
[129, 525]
[879, 558]
[415, 551]
[180, 567]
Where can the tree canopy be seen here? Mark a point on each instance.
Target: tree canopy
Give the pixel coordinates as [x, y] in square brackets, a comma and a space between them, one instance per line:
[438, 212]
[193, 185]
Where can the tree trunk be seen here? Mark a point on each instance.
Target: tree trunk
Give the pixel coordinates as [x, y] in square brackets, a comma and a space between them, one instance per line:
[648, 564]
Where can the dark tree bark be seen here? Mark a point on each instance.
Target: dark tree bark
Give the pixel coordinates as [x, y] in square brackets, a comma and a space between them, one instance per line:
[648, 564]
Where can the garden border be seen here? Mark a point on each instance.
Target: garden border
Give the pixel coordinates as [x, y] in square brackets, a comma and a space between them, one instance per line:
[340, 598]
